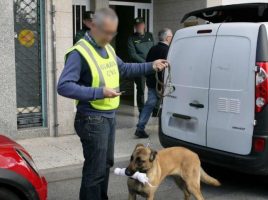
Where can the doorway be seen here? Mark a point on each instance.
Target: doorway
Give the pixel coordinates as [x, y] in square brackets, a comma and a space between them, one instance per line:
[79, 8]
[126, 12]
[125, 29]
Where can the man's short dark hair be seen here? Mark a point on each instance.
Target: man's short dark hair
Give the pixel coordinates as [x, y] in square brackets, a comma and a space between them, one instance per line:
[88, 15]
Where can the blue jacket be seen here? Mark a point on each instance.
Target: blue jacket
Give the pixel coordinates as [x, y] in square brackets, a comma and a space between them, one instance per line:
[75, 80]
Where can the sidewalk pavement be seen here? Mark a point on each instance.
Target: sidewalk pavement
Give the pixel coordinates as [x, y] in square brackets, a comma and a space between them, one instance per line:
[53, 155]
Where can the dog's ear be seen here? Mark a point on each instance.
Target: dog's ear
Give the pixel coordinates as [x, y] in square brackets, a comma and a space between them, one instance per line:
[152, 155]
[139, 145]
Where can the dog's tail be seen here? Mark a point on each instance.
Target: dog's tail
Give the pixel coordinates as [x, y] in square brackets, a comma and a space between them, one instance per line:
[205, 178]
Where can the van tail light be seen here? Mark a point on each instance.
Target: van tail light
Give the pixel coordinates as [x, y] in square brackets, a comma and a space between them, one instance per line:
[261, 86]
[258, 145]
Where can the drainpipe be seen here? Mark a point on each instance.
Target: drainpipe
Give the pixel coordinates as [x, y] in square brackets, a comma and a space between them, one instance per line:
[54, 68]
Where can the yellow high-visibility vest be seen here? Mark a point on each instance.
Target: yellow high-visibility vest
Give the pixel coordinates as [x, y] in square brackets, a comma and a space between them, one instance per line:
[104, 72]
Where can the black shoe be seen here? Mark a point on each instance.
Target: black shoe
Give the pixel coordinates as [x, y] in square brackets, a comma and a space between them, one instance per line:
[141, 134]
[155, 113]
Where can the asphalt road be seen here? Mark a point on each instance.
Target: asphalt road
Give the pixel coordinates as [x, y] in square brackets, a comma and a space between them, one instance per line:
[64, 183]
[235, 186]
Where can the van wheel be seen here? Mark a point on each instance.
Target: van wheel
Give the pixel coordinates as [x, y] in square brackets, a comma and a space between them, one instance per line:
[6, 194]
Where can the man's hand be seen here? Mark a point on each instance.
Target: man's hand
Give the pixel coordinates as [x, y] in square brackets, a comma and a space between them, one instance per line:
[160, 64]
[110, 93]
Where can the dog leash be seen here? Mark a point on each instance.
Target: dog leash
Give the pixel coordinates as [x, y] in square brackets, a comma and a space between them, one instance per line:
[149, 143]
[166, 88]
[162, 92]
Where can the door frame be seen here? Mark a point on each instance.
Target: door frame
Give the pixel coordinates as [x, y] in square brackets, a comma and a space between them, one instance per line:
[80, 3]
[136, 7]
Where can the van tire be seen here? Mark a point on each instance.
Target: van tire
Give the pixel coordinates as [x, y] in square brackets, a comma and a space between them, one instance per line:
[6, 194]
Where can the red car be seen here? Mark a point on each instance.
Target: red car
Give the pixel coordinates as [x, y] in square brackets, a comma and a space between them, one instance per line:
[19, 178]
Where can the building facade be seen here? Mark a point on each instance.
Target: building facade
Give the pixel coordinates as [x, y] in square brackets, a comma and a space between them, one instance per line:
[35, 35]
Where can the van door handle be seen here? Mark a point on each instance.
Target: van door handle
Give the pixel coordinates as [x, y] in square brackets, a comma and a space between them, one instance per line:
[181, 116]
[196, 105]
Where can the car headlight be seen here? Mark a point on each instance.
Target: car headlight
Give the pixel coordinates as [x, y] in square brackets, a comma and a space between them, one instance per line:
[28, 160]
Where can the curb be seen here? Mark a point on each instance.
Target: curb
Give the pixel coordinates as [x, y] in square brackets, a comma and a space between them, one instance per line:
[74, 171]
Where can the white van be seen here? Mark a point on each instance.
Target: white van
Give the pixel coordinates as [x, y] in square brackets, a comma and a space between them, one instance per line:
[220, 75]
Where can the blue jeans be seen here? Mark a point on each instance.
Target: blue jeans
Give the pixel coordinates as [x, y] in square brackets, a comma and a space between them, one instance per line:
[97, 135]
[147, 109]
[140, 84]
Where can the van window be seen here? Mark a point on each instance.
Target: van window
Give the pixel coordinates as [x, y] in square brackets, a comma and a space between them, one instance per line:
[190, 60]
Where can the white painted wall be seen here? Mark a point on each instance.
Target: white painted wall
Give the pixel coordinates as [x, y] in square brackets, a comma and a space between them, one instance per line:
[226, 2]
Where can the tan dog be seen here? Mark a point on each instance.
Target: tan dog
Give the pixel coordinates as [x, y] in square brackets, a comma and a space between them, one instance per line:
[181, 163]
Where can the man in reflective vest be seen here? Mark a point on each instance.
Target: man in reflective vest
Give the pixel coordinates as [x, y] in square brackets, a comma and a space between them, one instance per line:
[91, 77]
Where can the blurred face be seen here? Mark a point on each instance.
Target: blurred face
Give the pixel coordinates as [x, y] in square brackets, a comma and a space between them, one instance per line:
[87, 22]
[169, 37]
[104, 33]
[140, 28]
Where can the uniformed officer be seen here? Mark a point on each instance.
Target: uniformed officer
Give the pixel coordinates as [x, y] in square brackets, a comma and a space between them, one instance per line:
[139, 45]
[91, 76]
[87, 19]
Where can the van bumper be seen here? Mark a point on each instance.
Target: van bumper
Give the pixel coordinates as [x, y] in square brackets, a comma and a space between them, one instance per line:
[254, 163]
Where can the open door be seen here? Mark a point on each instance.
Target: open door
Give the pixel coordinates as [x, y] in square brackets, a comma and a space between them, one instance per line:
[248, 12]
[125, 29]
[184, 113]
[127, 12]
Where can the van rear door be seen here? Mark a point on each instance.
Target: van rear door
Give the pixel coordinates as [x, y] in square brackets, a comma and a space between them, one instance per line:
[232, 88]
[241, 12]
[184, 113]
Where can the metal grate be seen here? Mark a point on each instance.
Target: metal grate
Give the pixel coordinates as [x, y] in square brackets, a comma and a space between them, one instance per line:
[28, 62]
[78, 12]
[229, 105]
